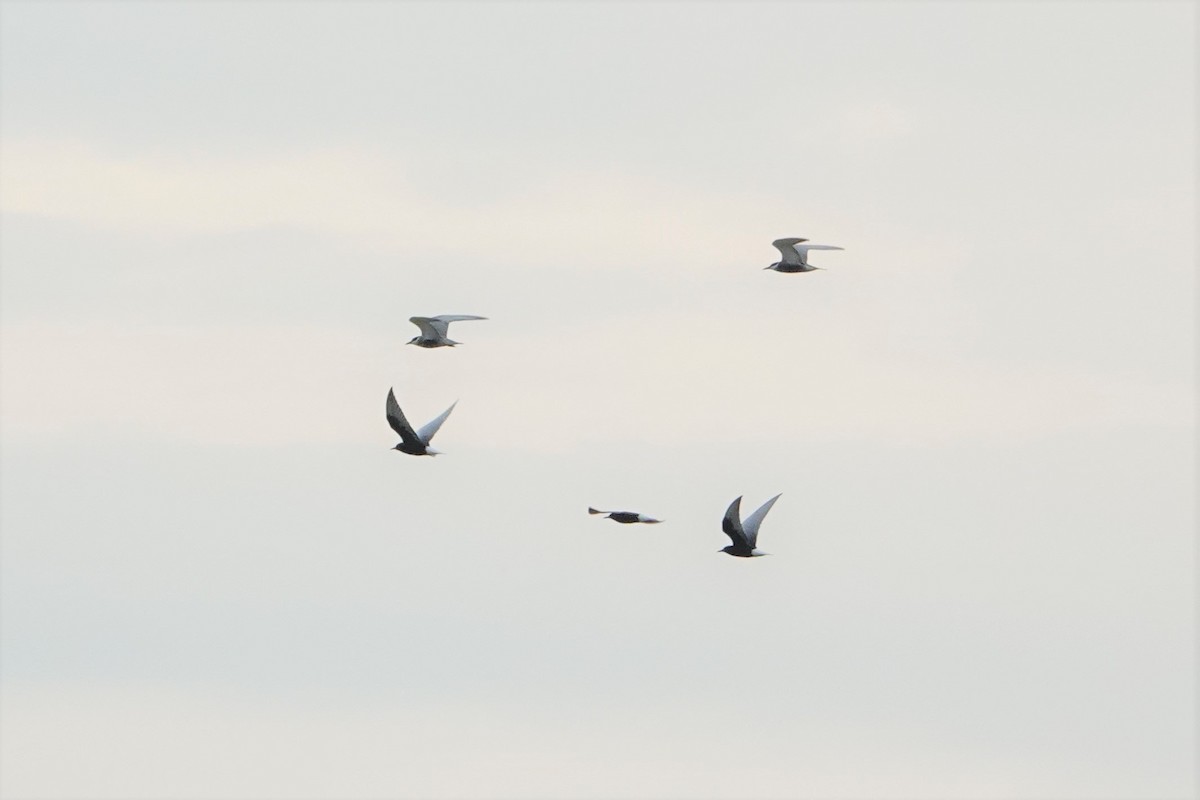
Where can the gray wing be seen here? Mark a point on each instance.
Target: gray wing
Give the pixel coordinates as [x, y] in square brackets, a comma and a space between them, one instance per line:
[751, 523]
[448, 318]
[395, 418]
[789, 249]
[431, 327]
[802, 250]
[732, 525]
[430, 428]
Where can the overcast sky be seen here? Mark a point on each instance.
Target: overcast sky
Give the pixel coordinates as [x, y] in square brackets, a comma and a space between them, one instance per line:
[218, 583]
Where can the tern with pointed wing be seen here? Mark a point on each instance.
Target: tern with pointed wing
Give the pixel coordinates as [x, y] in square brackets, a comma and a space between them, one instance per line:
[795, 255]
[415, 443]
[434, 329]
[626, 517]
[744, 533]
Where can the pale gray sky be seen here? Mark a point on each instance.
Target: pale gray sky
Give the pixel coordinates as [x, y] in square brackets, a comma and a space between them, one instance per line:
[218, 582]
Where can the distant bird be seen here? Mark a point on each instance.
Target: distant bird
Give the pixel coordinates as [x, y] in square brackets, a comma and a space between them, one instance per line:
[625, 517]
[744, 533]
[415, 443]
[795, 255]
[433, 329]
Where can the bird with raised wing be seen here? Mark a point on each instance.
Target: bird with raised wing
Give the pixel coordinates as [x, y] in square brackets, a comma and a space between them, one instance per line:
[744, 533]
[414, 442]
[434, 329]
[626, 517]
[795, 255]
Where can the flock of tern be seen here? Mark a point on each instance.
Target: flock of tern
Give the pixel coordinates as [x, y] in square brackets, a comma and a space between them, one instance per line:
[743, 533]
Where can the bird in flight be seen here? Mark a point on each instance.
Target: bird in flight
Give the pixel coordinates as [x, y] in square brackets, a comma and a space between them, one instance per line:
[795, 255]
[433, 329]
[744, 533]
[625, 517]
[415, 443]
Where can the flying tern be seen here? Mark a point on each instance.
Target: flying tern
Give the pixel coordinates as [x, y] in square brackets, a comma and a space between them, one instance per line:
[415, 443]
[795, 255]
[434, 329]
[744, 533]
[626, 517]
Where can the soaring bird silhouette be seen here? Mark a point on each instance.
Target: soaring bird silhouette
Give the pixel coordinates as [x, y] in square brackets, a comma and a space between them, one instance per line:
[744, 533]
[626, 517]
[415, 443]
[434, 329]
[795, 255]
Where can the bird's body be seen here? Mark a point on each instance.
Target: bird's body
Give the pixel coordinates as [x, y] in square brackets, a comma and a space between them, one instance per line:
[413, 442]
[795, 255]
[744, 533]
[434, 329]
[625, 517]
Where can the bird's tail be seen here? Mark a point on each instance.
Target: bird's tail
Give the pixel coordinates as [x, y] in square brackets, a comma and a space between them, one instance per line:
[594, 511]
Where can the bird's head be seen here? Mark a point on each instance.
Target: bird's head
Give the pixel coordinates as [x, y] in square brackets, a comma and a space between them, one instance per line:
[413, 340]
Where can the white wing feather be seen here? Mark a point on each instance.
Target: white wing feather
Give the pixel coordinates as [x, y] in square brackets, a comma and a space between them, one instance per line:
[448, 318]
[751, 524]
[430, 428]
[802, 250]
